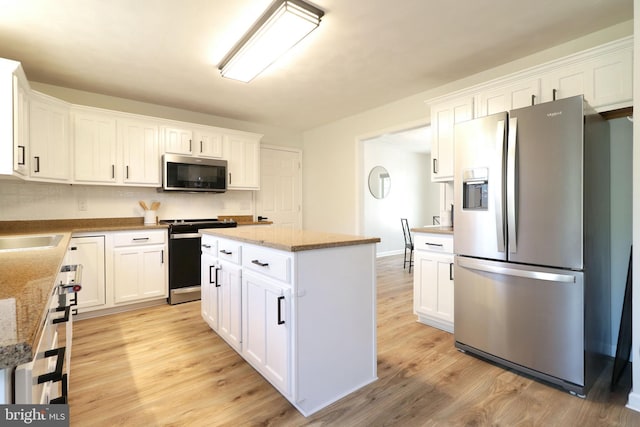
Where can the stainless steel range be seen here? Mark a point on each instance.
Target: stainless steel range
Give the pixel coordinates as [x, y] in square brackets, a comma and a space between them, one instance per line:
[184, 256]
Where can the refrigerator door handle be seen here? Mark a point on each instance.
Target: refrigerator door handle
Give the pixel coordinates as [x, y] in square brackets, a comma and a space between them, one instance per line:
[497, 195]
[528, 274]
[511, 184]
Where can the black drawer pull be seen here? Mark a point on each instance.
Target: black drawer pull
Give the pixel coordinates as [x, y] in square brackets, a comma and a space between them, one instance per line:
[140, 239]
[62, 400]
[206, 246]
[65, 318]
[261, 264]
[434, 244]
[21, 162]
[226, 252]
[450, 271]
[56, 375]
[280, 321]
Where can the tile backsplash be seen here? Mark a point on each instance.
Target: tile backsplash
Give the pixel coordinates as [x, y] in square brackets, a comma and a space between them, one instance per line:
[21, 200]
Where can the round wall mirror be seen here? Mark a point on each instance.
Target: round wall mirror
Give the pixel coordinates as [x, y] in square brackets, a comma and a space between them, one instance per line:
[379, 182]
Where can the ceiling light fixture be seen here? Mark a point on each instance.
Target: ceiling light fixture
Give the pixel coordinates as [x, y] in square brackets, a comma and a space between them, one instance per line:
[281, 27]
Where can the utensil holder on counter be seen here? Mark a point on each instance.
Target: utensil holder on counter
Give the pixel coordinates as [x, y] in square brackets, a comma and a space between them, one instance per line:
[149, 217]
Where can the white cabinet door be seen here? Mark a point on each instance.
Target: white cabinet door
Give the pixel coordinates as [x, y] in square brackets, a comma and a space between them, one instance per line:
[443, 117]
[243, 156]
[49, 139]
[266, 338]
[208, 143]
[605, 81]
[521, 94]
[209, 289]
[433, 289]
[139, 273]
[95, 147]
[20, 126]
[230, 304]
[141, 152]
[89, 252]
[177, 140]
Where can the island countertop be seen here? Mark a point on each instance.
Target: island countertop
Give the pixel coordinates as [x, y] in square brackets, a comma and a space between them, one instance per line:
[287, 239]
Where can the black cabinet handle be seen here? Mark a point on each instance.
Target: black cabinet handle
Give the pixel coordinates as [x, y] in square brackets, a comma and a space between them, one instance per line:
[162, 256]
[280, 321]
[206, 246]
[200, 147]
[450, 271]
[435, 165]
[229, 177]
[140, 239]
[190, 146]
[555, 93]
[434, 244]
[127, 167]
[56, 375]
[37, 163]
[214, 280]
[62, 400]
[73, 248]
[261, 264]
[65, 318]
[226, 252]
[21, 148]
[533, 100]
[113, 171]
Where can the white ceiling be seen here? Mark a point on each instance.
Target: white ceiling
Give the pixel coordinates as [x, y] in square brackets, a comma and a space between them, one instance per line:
[366, 53]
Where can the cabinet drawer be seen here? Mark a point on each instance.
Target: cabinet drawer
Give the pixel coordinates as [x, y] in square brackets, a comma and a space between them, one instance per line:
[433, 243]
[209, 245]
[142, 237]
[230, 250]
[268, 262]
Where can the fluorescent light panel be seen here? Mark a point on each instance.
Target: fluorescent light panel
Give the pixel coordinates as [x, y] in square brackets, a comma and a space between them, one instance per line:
[282, 26]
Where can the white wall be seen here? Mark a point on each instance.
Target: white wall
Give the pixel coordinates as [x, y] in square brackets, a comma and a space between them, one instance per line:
[332, 165]
[411, 195]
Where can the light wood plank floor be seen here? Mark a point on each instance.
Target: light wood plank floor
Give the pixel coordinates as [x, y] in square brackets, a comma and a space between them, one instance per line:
[163, 366]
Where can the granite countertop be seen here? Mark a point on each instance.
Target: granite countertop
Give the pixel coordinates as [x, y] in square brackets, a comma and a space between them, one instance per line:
[27, 278]
[438, 229]
[289, 240]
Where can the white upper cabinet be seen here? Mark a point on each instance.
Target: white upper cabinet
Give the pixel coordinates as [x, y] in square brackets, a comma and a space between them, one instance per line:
[443, 117]
[14, 119]
[242, 152]
[604, 75]
[177, 140]
[20, 123]
[140, 151]
[49, 138]
[207, 142]
[95, 147]
[606, 81]
[518, 95]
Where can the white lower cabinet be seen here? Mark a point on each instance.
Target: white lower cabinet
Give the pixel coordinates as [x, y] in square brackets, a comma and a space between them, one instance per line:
[89, 251]
[140, 265]
[230, 304]
[209, 289]
[433, 280]
[266, 337]
[308, 321]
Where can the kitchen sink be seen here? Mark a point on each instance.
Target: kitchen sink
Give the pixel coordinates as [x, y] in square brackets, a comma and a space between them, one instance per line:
[42, 241]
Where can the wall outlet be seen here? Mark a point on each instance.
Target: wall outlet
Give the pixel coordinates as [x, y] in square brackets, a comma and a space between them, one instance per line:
[82, 204]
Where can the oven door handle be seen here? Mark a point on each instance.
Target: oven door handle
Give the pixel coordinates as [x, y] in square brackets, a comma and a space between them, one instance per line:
[185, 236]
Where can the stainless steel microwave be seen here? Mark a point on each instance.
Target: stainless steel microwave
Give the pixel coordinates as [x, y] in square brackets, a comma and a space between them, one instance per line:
[185, 173]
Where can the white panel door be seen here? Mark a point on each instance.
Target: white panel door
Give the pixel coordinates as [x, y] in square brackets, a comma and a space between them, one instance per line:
[279, 198]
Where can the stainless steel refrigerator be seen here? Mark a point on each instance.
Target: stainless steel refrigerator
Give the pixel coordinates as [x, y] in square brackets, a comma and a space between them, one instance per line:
[532, 241]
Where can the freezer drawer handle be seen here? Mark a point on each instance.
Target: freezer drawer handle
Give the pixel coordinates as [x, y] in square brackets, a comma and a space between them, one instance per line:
[56, 375]
[527, 274]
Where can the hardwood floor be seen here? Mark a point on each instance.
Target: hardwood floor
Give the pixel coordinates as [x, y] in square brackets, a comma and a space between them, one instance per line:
[163, 366]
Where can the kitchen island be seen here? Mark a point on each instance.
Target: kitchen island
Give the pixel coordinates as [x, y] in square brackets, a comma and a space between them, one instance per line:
[298, 305]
